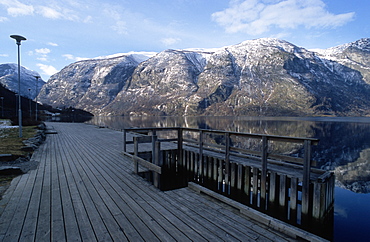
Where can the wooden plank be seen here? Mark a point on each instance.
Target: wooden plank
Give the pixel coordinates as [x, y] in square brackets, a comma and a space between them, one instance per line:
[255, 186]
[88, 194]
[223, 228]
[293, 194]
[57, 221]
[99, 199]
[306, 178]
[144, 229]
[11, 211]
[283, 191]
[148, 165]
[228, 214]
[220, 178]
[30, 223]
[69, 217]
[200, 156]
[137, 209]
[215, 173]
[247, 183]
[239, 177]
[233, 177]
[318, 208]
[227, 159]
[264, 172]
[82, 218]
[44, 221]
[272, 187]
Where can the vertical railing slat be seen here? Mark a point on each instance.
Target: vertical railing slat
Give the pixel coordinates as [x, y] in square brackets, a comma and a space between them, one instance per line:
[124, 140]
[136, 153]
[264, 171]
[200, 160]
[306, 177]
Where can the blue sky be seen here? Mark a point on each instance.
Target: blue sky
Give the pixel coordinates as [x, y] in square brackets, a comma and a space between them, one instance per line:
[60, 32]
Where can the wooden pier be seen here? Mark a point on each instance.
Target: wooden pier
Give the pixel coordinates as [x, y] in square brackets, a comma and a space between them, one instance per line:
[248, 168]
[84, 189]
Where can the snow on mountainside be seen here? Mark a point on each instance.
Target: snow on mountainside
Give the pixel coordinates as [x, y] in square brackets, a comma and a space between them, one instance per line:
[256, 77]
[355, 55]
[362, 44]
[138, 56]
[89, 84]
[9, 79]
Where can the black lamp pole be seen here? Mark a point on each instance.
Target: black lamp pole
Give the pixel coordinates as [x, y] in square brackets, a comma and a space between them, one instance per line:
[19, 38]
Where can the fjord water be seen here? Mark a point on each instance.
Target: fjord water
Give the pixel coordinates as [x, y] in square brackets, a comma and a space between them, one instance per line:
[344, 148]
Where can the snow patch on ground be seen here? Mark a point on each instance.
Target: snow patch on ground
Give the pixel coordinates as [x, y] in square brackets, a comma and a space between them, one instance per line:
[5, 124]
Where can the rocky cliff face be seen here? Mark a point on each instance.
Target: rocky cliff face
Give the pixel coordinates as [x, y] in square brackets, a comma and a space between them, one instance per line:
[256, 77]
[89, 84]
[9, 79]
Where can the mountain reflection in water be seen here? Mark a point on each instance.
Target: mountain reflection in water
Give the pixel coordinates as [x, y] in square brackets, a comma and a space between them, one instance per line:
[344, 148]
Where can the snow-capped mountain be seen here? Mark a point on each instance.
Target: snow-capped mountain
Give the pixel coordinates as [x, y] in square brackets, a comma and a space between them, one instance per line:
[355, 55]
[256, 77]
[9, 79]
[90, 84]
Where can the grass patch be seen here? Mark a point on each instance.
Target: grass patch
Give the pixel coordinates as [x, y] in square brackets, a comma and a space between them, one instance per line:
[11, 143]
[6, 179]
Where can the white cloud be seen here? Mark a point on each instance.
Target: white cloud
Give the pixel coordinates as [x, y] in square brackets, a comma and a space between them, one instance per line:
[88, 19]
[4, 55]
[54, 11]
[42, 54]
[170, 41]
[68, 57]
[48, 12]
[52, 44]
[16, 8]
[3, 19]
[257, 16]
[47, 69]
[47, 9]
[73, 58]
[42, 51]
[119, 26]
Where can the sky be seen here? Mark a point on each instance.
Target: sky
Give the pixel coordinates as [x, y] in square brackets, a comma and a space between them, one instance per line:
[60, 32]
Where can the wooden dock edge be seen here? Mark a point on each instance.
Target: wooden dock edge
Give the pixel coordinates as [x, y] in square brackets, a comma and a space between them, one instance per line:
[271, 222]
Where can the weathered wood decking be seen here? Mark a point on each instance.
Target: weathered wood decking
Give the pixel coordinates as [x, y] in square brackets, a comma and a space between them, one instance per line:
[85, 190]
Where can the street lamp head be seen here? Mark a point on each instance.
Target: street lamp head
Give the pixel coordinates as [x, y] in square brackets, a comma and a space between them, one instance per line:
[18, 38]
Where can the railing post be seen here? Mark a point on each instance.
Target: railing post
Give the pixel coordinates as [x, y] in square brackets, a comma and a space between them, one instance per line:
[136, 152]
[200, 160]
[306, 177]
[264, 171]
[179, 147]
[154, 139]
[227, 161]
[156, 161]
[124, 140]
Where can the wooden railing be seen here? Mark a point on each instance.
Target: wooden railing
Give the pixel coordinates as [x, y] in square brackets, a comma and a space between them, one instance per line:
[284, 186]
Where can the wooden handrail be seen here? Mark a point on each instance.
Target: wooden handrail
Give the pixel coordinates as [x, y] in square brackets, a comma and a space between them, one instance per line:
[227, 148]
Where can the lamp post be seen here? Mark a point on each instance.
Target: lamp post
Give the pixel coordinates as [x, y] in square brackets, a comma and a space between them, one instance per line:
[19, 38]
[37, 80]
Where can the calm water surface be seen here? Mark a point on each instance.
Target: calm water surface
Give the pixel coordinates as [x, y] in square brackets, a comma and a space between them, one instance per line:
[344, 148]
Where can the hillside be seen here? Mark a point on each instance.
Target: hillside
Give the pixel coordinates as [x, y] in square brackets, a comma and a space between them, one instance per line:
[255, 77]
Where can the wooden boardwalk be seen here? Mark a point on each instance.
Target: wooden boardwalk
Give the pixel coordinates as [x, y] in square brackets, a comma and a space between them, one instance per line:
[85, 190]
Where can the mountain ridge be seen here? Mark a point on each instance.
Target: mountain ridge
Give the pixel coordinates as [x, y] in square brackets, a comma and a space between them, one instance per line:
[255, 77]
[9, 79]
